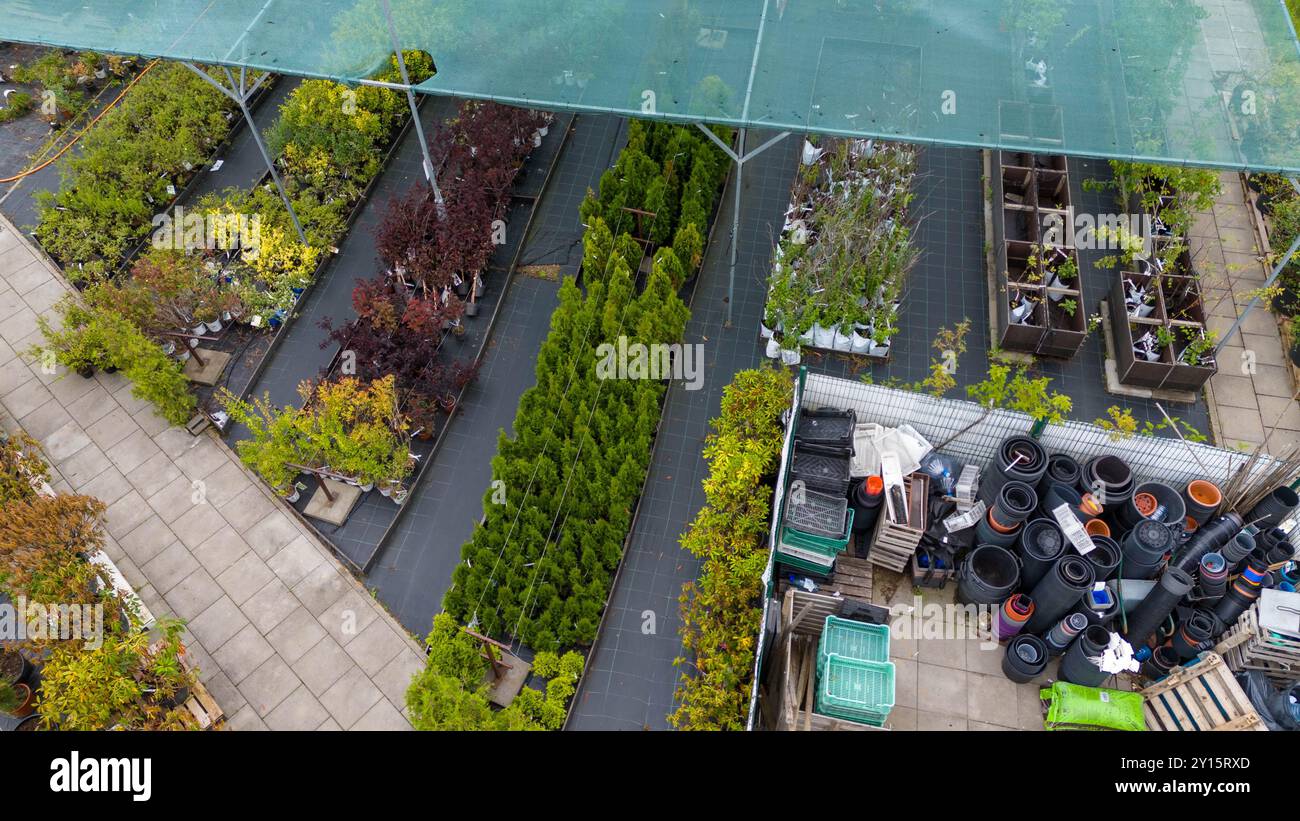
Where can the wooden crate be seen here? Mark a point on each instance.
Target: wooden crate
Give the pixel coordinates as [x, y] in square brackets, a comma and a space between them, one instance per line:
[1202, 697]
[892, 545]
[1246, 647]
[852, 578]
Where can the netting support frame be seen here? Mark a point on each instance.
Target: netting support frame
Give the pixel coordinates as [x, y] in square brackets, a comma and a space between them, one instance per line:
[739, 159]
[240, 92]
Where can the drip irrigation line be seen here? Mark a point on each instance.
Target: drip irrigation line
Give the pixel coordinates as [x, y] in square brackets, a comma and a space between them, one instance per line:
[528, 489]
[82, 133]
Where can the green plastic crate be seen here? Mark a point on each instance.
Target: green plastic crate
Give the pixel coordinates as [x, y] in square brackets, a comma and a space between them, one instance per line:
[791, 557]
[856, 690]
[810, 541]
[852, 639]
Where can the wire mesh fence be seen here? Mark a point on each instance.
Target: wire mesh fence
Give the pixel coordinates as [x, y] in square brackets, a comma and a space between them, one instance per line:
[970, 433]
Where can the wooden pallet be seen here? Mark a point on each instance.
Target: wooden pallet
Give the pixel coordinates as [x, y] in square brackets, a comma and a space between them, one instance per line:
[1202, 697]
[207, 713]
[1246, 646]
[893, 545]
[852, 578]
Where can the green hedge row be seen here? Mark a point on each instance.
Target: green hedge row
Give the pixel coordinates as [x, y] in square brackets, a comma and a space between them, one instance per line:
[541, 565]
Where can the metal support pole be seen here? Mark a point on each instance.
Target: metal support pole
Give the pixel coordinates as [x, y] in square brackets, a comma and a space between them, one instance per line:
[242, 102]
[735, 228]
[430, 172]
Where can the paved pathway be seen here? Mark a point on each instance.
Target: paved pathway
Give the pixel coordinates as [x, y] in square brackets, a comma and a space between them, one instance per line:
[282, 635]
[1251, 396]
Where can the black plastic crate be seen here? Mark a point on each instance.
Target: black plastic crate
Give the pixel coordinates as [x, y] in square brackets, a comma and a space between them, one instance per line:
[826, 431]
[821, 471]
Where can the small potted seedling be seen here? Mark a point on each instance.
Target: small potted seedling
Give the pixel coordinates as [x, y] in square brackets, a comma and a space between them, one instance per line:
[17, 699]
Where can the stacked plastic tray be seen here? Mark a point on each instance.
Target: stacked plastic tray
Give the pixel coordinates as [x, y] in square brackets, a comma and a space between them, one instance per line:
[816, 529]
[855, 678]
[861, 691]
[826, 431]
[852, 639]
[821, 471]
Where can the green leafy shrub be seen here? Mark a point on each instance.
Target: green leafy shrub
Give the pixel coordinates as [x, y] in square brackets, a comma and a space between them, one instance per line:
[164, 129]
[99, 337]
[722, 611]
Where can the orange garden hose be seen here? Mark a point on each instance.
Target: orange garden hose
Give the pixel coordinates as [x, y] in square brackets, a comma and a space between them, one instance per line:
[89, 125]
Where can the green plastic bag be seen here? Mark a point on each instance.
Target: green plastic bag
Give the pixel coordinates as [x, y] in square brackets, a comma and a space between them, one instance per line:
[1074, 707]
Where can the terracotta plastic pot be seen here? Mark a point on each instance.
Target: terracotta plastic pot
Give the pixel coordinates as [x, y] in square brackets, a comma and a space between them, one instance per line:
[1146, 504]
[1096, 527]
[1203, 499]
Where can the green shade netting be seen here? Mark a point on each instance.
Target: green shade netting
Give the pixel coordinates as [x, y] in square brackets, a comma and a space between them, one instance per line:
[1205, 82]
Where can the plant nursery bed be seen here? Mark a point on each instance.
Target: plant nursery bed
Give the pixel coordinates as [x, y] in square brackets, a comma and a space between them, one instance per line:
[1118, 388]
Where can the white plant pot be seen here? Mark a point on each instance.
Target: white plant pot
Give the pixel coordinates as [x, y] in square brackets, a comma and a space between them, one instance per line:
[823, 337]
[773, 350]
[199, 329]
[811, 153]
[1021, 312]
[764, 331]
[806, 337]
[367, 487]
[537, 139]
[215, 326]
[789, 357]
[544, 130]
[843, 342]
[878, 350]
[293, 497]
[860, 343]
[1142, 310]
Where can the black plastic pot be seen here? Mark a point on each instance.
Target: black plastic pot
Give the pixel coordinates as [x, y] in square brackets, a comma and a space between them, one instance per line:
[1075, 666]
[1062, 635]
[1208, 538]
[1213, 576]
[1061, 469]
[1193, 634]
[1274, 508]
[1015, 503]
[866, 505]
[1236, 549]
[988, 575]
[1029, 469]
[1175, 510]
[1059, 591]
[1025, 659]
[20, 663]
[1144, 549]
[1041, 544]
[1162, 660]
[1281, 552]
[1105, 556]
[985, 534]
[1175, 583]
[1058, 494]
[1109, 479]
[1239, 597]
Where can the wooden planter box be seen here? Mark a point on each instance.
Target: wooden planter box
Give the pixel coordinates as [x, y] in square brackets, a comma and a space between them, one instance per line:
[1033, 193]
[1131, 370]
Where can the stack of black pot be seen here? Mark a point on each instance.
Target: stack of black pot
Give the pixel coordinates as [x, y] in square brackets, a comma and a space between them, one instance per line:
[1201, 568]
